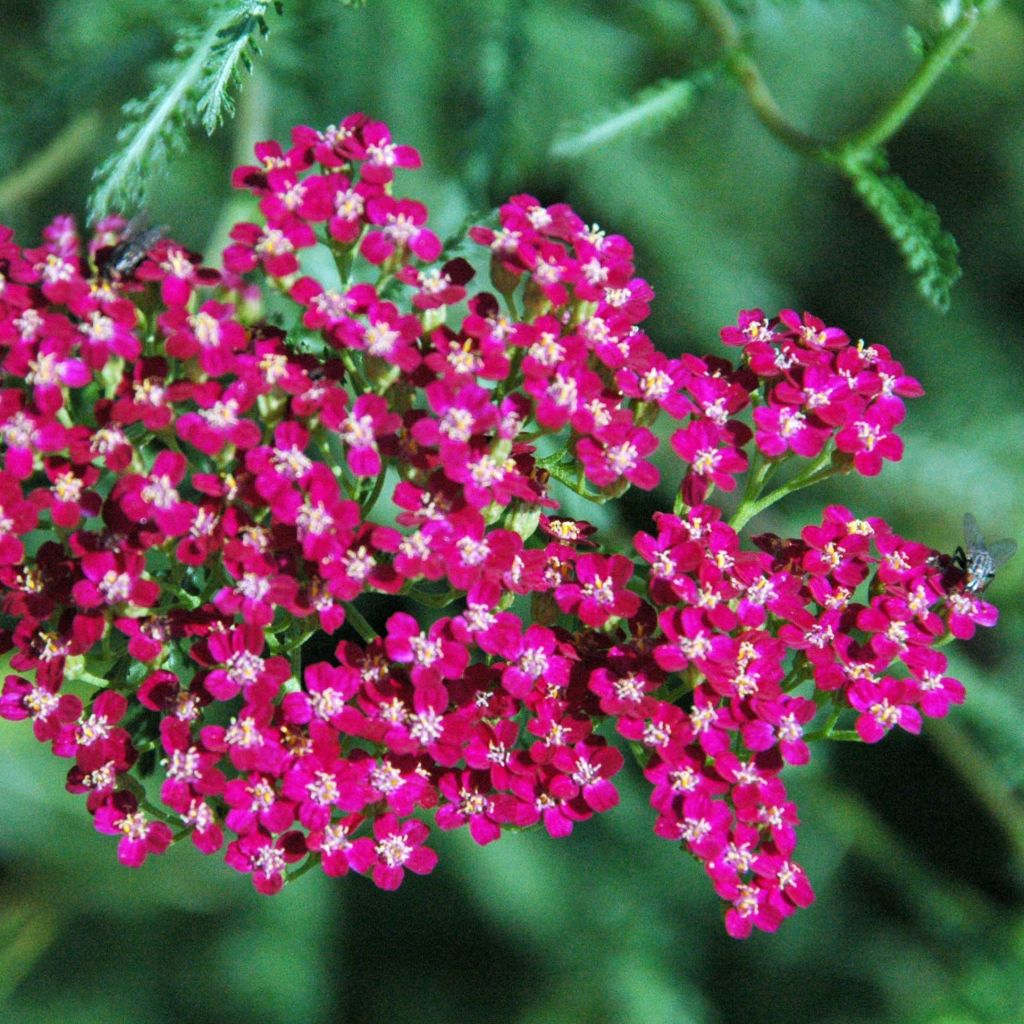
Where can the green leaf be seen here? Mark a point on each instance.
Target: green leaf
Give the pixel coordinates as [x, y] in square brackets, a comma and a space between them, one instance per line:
[194, 86]
[929, 251]
[222, 74]
[650, 111]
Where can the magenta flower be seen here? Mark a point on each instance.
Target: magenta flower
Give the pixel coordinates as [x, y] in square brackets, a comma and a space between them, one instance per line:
[369, 421]
[273, 248]
[240, 652]
[437, 287]
[618, 452]
[178, 271]
[211, 334]
[710, 463]
[139, 836]
[387, 335]
[965, 611]
[884, 706]
[265, 858]
[400, 230]
[382, 155]
[335, 845]
[470, 800]
[69, 498]
[432, 654]
[220, 419]
[782, 428]
[41, 700]
[936, 690]
[191, 770]
[589, 765]
[110, 580]
[46, 366]
[600, 591]
[780, 722]
[17, 518]
[869, 437]
[256, 804]
[396, 847]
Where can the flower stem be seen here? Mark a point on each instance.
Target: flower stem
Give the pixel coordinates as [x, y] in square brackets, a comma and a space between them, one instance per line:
[433, 600]
[820, 469]
[888, 122]
[309, 862]
[827, 730]
[855, 147]
[359, 623]
[371, 499]
[747, 74]
[90, 680]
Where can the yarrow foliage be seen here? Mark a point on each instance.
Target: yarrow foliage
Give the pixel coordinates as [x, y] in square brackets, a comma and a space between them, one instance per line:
[192, 463]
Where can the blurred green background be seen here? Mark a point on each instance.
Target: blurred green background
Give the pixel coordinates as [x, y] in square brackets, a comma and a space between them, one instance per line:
[915, 847]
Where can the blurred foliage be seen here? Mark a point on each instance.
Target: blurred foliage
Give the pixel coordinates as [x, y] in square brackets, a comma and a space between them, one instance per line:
[915, 847]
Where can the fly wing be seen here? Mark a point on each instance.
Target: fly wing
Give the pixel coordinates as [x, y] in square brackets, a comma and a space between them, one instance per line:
[1001, 552]
[972, 534]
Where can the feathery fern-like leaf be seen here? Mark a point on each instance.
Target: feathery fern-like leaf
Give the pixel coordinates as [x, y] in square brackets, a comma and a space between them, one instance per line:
[929, 251]
[235, 40]
[195, 84]
[648, 112]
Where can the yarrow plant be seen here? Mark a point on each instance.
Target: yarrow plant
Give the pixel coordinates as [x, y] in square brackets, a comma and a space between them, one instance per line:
[193, 461]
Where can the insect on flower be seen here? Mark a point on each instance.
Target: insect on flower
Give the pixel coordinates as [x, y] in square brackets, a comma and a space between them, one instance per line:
[120, 260]
[981, 561]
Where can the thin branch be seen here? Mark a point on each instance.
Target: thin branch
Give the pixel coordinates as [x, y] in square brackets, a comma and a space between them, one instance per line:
[853, 147]
[748, 75]
[889, 121]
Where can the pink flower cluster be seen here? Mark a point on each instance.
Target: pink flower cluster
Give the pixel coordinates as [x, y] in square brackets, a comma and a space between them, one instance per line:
[189, 494]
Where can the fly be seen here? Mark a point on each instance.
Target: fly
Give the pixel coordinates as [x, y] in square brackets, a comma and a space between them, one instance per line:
[980, 561]
[120, 261]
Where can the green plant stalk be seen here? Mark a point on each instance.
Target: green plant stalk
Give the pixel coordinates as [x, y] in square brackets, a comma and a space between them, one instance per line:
[310, 861]
[747, 74]
[574, 483]
[371, 499]
[820, 469]
[827, 730]
[855, 147]
[432, 600]
[90, 680]
[889, 121]
[358, 622]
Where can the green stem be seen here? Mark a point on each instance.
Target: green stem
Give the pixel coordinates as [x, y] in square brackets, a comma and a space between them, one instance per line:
[90, 680]
[845, 736]
[851, 150]
[889, 121]
[356, 619]
[747, 74]
[355, 374]
[573, 482]
[309, 862]
[820, 469]
[371, 499]
[433, 600]
[826, 731]
[757, 475]
[156, 812]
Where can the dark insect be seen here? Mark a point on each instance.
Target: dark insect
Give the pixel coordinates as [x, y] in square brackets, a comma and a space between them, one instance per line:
[981, 561]
[119, 261]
